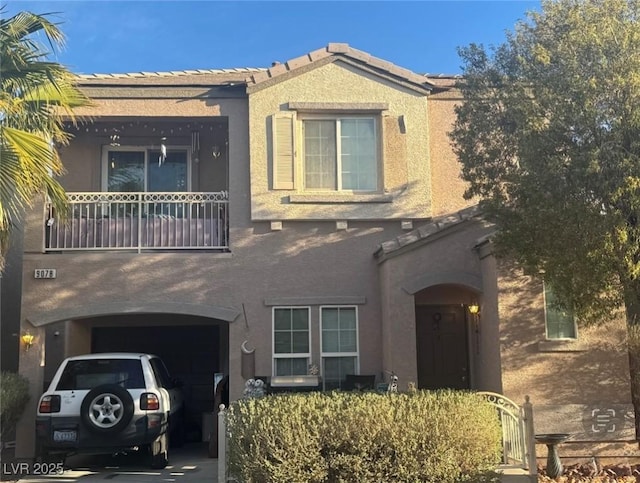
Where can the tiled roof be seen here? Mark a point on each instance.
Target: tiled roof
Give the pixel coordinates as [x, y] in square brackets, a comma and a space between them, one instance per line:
[344, 50]
[172, 73]
[256, 75]
[430, 230]
[197, 76]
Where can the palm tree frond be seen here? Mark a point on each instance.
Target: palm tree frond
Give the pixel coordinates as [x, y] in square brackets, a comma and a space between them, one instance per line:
[36, 96]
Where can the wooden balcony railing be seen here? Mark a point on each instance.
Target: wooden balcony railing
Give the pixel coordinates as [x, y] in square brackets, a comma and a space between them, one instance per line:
[139, 221]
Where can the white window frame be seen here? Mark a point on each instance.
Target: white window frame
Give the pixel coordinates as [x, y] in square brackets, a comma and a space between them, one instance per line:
[144, 149]
[337, 118]
[546, 321]
[355, 354]
[293, 355]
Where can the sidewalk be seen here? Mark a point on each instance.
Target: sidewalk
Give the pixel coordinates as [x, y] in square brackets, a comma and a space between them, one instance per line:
[189, 464]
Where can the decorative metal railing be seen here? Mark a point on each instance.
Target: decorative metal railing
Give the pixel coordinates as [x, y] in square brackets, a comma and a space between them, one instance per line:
[518, 447]
[139, 221]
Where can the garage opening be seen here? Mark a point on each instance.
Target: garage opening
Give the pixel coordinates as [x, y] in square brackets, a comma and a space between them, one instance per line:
[196, 354]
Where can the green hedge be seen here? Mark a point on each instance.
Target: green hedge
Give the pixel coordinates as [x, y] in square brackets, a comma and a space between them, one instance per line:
[14, 395]
[441, 436]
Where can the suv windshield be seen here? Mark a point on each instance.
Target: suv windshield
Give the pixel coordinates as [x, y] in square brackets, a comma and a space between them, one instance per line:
[90, 373]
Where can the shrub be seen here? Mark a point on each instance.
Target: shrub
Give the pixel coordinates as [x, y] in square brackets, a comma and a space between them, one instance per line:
[14, 395]
[441, 437]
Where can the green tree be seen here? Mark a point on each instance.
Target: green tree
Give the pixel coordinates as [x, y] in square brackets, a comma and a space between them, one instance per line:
[36, 96]
[549, 140]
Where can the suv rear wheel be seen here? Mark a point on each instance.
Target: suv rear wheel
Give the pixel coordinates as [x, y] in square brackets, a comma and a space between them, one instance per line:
[107, 409]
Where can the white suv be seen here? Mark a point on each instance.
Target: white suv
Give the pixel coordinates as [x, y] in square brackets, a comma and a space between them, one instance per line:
[108, 403]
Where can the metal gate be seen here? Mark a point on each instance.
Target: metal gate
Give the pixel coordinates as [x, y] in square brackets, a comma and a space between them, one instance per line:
[518, 442]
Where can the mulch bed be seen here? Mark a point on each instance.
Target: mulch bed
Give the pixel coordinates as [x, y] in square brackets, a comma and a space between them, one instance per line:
[579, 473]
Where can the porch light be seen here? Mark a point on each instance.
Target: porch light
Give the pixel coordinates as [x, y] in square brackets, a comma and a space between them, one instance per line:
[474, 309]
[27, 340]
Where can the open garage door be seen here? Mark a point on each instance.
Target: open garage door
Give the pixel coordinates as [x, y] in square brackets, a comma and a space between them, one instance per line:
[193, 354]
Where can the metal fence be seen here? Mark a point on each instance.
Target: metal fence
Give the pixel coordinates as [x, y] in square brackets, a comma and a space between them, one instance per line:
[518, 439]
[138, 221]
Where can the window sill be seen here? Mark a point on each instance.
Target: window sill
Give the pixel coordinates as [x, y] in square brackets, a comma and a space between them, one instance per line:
[340, 198]
[567, 345]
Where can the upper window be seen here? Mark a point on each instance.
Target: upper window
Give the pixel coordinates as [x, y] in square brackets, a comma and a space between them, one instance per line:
[560, 323]
[142, 169]
[339, 329]
[340, 154]
[291, 341]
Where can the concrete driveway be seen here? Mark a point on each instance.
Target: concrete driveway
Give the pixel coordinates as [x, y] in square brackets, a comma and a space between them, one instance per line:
[187, 464]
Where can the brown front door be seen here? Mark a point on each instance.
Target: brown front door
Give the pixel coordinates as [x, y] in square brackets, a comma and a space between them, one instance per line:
[441, 338]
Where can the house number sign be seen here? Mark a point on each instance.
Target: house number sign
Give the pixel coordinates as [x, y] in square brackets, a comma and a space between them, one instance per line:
[45, 273]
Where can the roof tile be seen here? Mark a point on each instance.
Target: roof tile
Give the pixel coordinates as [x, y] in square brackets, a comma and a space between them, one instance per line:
[298, 62]
[425, 231]
[359, 55]
[407, 238]
[390, 245]
[338, 48]
[277, 70]
[448, 220]
[401, 72]
[319, 54]
[380, 64]
[259, 77]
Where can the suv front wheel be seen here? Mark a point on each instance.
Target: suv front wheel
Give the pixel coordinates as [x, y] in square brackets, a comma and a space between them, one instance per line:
[107, 409]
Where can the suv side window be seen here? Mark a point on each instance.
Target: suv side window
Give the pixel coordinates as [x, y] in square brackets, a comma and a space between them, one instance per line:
[87, 374]
[161, 374]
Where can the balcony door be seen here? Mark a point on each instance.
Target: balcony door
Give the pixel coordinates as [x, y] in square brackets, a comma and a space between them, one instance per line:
[136, 169]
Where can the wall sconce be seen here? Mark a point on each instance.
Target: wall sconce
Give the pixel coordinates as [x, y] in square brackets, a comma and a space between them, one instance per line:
[27, 340]
[474, 309]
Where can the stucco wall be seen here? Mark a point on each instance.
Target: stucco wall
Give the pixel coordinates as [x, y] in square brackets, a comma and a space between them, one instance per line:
[303, 260]
[590, 373]
[338, 82]
[449, 255]
[164, 107]
[447, 185]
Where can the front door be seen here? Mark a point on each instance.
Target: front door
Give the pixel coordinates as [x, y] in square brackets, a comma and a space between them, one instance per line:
[441, 338]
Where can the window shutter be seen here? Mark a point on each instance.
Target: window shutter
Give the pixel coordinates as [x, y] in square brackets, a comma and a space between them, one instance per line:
[283, 127]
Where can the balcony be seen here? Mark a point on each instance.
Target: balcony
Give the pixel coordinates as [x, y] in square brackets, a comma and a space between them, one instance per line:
[139, 221]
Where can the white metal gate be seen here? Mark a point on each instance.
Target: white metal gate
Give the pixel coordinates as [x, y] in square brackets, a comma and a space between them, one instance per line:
[518, 441]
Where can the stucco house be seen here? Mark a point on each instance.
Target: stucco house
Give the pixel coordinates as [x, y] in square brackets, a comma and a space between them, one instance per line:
[262, 221]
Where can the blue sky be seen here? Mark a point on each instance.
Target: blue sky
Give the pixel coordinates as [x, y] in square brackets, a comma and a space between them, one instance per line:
[134, 36]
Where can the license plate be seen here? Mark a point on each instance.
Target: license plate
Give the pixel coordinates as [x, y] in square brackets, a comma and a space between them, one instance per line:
[64, 436]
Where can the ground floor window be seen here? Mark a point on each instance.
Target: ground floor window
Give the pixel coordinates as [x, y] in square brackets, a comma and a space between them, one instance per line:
[291, 341]
[339, 342]
[560, 323]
